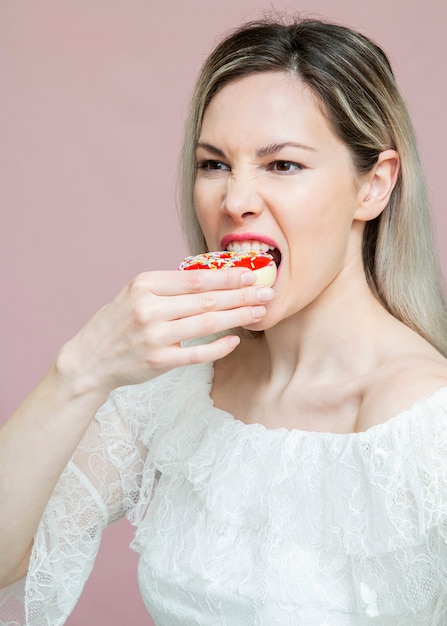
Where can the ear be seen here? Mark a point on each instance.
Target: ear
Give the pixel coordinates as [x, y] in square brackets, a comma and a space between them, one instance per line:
[377, 185]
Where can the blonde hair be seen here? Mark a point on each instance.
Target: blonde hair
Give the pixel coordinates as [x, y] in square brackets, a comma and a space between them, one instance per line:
[354, 84]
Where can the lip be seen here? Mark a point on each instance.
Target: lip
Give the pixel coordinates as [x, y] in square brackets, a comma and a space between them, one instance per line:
[246, 237]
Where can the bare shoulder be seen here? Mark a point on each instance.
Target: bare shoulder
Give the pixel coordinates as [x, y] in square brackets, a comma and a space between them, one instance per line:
[400, 383]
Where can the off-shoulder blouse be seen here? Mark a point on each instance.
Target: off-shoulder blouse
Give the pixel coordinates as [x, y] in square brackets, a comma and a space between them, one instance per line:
[239, 525]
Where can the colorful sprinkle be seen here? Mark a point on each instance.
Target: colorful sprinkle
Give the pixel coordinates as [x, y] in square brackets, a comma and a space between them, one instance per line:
[222, 260]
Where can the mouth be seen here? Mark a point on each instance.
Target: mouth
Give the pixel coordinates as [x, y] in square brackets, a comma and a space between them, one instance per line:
[256, 245]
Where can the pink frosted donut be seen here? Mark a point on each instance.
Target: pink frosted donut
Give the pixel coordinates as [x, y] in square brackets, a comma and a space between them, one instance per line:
[260, 262]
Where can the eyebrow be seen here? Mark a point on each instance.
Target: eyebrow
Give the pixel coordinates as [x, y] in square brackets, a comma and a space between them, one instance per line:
[277, 147]
[210, 148]
[272, 148]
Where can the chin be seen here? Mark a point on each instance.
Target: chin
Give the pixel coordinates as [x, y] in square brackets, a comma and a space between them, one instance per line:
[259, 326]
[270, 320]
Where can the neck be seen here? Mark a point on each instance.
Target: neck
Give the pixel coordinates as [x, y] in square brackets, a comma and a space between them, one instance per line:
[331, 338]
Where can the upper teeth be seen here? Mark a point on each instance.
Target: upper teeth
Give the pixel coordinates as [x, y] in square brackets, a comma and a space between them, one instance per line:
[245, 246]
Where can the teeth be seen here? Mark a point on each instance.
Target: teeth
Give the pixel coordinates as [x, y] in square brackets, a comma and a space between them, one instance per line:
[245, 246]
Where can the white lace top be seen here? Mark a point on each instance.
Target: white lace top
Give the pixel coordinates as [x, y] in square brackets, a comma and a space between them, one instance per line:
[238, 525]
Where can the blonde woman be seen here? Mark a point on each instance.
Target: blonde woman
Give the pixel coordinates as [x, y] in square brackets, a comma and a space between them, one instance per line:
[282, 451]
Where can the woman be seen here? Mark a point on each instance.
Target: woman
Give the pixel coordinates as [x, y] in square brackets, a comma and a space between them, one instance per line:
[293, 471]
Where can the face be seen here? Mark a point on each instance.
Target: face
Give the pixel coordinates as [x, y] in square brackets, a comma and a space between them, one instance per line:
[272, 174]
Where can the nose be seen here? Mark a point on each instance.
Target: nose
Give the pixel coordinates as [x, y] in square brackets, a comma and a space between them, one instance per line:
[241, 199]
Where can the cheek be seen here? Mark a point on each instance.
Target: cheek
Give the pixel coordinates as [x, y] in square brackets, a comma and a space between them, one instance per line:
[199, 204]
[202, 197]
[319, 244]
[208, 195]
[205, 213]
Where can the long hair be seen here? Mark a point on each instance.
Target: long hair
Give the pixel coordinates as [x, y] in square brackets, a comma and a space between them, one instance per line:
[354, 85]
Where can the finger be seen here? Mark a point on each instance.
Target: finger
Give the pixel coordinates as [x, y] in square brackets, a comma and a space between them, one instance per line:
[204, 353]
[208, 323]
[175, 282]
[175, 307]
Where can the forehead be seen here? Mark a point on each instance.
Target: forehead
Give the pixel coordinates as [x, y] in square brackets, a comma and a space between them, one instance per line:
[267, 103]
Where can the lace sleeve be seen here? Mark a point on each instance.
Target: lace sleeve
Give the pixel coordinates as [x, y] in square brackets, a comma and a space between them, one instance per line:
[99, 485]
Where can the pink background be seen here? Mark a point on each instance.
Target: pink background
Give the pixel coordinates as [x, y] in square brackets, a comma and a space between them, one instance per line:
[93, 95]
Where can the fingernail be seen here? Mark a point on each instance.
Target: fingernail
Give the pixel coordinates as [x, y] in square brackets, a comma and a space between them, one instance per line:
[258, 311]
[264, 294]
[248, 278]
[233, 341]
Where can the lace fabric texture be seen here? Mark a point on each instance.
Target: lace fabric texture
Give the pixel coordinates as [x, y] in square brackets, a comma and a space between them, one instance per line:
[237, 525]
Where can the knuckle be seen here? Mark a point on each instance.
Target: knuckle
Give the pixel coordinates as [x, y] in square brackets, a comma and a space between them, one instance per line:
[138, 284]
[152, 339]
[154, 361]
[208, 322]
[194, 355]
[145, 283]
[207, 301]
[244, 316]
[246, 297]
[141, 315]
[196, 280]
[144, 308]
[231, 279]
[152, 350]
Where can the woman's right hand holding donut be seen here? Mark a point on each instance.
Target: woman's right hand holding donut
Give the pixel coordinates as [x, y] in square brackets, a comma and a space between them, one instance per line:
[133, 339]
[138, 335]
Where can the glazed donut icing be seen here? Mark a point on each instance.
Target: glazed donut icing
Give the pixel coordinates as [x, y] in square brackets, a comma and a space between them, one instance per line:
[260, 262]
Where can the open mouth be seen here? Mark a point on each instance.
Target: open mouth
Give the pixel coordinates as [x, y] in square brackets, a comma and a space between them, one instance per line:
[246, 246]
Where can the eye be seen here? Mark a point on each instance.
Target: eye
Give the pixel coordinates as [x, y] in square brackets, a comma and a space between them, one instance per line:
[211, 165]
[285, 167]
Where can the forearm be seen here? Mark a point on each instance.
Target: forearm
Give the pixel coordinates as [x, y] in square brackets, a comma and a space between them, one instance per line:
[36, 443]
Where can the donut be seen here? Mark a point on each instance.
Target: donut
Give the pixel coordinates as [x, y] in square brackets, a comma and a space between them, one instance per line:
[260, 262]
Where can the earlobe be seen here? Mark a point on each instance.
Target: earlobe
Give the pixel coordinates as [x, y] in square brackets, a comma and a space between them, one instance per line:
[376, 189]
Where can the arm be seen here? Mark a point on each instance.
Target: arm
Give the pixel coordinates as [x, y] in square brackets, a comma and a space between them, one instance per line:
[134, 339]
[36, 443]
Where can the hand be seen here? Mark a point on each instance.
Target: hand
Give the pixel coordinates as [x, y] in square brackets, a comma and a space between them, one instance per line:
[138, 336]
